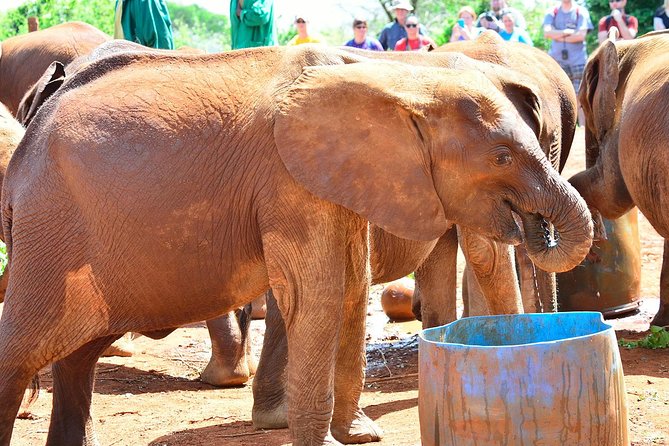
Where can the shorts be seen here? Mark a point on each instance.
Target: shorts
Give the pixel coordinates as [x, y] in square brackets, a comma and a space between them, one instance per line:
[574, 72]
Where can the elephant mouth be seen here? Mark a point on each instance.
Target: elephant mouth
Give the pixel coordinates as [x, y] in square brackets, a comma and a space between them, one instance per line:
[536, 227]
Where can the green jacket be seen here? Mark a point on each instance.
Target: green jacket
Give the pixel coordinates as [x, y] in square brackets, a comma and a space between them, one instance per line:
[144, 21]
[255, 24]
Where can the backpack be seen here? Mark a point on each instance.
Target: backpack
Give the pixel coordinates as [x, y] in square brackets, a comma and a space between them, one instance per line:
[607, 22]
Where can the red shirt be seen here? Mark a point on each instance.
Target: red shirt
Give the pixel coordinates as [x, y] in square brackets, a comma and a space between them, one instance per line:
[608, 22]
[417, 44]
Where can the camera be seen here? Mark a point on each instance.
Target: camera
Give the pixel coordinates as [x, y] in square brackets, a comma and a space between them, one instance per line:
[489, 17]
[565, 54]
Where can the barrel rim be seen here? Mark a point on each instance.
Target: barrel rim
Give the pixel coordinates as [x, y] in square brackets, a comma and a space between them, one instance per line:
[604, 328]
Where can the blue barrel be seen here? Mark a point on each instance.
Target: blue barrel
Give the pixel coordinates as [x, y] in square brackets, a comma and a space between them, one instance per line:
[522, 379]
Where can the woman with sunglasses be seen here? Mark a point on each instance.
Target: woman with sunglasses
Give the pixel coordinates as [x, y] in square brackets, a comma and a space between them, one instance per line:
[413, 41]
[360, 38]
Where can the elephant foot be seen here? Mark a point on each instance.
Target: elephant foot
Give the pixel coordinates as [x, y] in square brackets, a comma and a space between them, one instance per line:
[123, 347]
[361, 430]
[661, 319]
[220, 375]
[276, 418]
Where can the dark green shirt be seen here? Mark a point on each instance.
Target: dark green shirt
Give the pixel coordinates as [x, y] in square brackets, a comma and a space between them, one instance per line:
[147, 22]
[255, 24]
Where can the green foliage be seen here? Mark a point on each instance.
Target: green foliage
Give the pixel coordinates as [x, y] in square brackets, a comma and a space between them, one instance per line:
[99, 13]
[3, 257]
[197, 27]
[657, 338]
[193, 26]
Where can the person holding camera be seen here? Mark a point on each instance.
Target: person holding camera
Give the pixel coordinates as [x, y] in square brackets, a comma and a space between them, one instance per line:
[492, 19]
[566, 26]
[627, 25]
[464, 29]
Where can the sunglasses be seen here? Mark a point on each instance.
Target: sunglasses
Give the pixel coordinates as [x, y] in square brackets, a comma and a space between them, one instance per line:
[361, 27]
[300, 21]
[412, 25]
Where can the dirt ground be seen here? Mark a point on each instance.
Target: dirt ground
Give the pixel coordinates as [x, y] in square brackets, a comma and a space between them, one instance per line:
[155, 397]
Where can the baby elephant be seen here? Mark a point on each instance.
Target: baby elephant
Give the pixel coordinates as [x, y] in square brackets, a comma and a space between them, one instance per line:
[217, 188]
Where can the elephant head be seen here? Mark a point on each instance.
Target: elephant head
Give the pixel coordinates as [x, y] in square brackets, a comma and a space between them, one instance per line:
[455, 150]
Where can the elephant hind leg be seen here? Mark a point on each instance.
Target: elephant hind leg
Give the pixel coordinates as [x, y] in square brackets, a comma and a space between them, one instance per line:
[270, 405]
[73, 378]
[231, 359]
[12, 389]
[662, 316]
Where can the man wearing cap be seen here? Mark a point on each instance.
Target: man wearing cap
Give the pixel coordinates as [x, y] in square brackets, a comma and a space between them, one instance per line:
[252, 23]
[395, 30]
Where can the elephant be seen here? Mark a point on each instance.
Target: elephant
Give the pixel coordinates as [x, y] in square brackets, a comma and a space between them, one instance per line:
[232, 364]
[434, 262]
[11, 132]
[559, 115]
[623, 95]
[217, 188]
[25, 57]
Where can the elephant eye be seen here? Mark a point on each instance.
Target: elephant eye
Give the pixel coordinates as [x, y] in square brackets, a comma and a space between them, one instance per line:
[502, 157]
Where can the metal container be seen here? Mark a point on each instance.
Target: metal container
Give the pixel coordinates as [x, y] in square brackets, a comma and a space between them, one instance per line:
[524, 379]
[609, 279]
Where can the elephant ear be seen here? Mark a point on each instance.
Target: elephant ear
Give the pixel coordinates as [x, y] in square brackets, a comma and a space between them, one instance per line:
[354, 135]
[48, 84]
[525, 99]
[598, 89]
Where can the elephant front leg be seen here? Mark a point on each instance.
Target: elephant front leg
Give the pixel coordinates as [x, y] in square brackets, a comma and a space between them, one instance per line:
[349, 422]
[231, 362]
[73, 378]
[436, 283]
[493, 269]
[662, 317]
[309, 289]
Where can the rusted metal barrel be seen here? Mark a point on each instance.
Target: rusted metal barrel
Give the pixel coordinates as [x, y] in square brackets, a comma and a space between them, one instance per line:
[542, 378]
[609, 279]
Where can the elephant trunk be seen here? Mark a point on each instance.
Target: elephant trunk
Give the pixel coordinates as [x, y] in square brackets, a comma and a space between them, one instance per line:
[564, 245]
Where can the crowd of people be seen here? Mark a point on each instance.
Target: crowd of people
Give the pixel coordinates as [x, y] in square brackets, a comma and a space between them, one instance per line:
[252, 24]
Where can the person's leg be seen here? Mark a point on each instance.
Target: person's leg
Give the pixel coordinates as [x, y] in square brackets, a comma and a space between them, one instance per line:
[575, 74]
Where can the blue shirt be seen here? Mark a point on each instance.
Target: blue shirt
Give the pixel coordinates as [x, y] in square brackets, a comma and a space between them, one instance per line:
[577, 19]
[369, 44]
[518, 35]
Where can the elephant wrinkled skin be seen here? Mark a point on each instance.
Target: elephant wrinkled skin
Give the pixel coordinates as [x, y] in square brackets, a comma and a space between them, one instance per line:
[624, 97]
[216, 188]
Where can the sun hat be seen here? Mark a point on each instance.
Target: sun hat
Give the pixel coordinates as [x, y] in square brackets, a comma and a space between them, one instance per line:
[402, 4]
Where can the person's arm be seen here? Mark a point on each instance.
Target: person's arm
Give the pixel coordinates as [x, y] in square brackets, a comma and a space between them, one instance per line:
[455, 35]
[256, 12]
[658, 24]
[628, 32]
